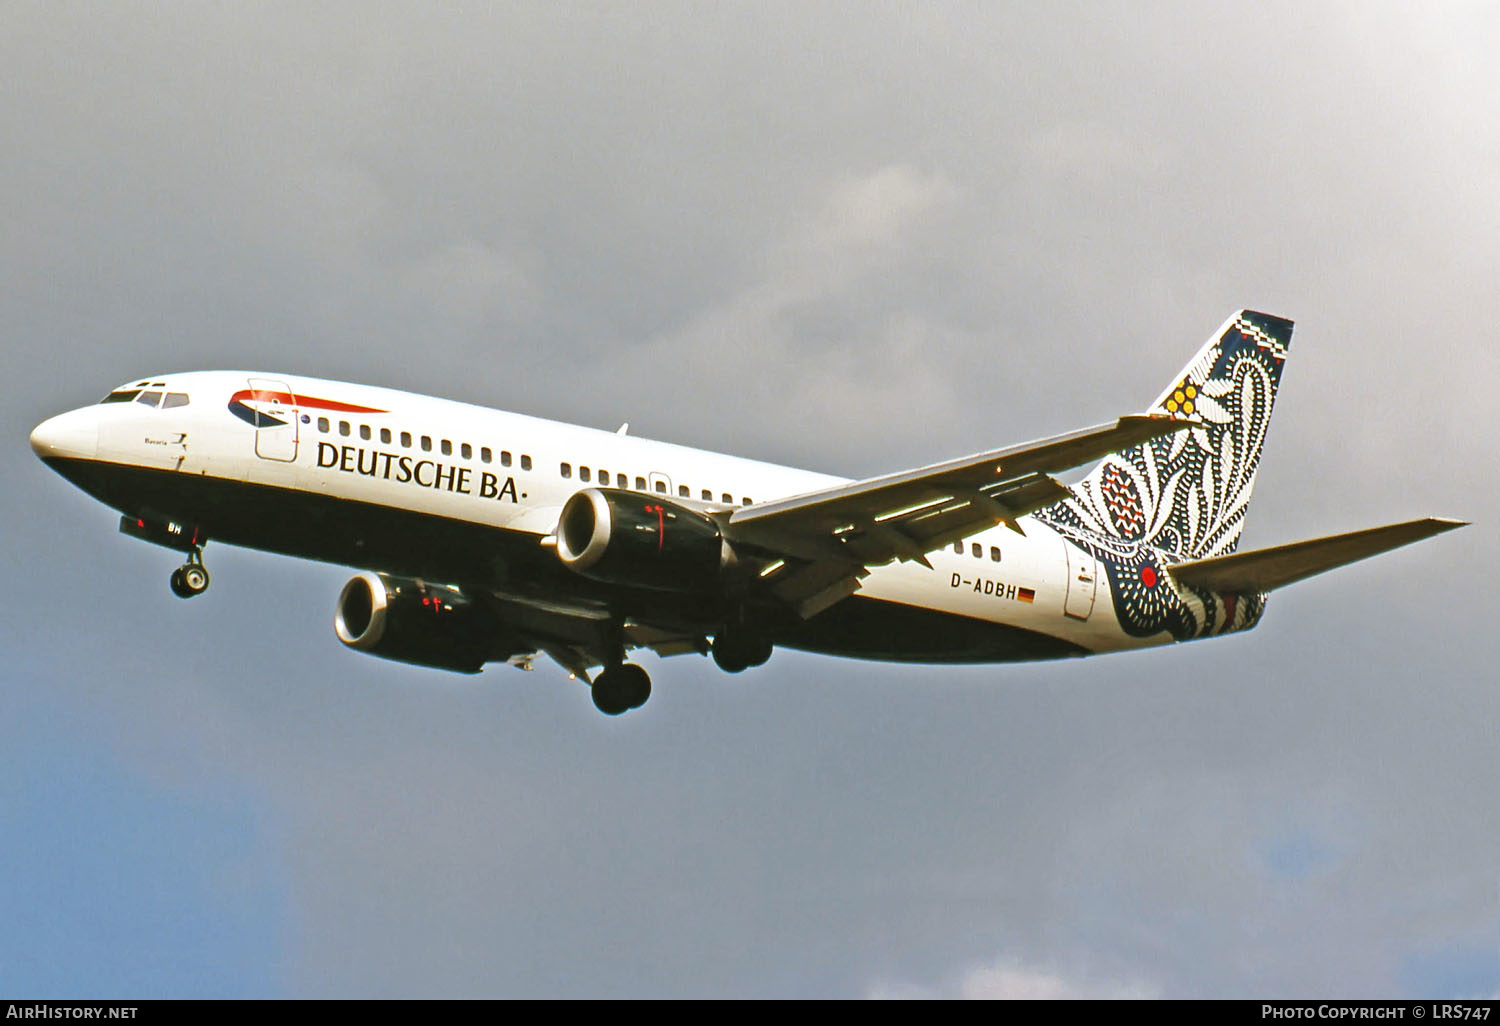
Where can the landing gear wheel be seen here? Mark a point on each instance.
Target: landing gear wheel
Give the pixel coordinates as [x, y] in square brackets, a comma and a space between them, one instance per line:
[621, 688]
[638, 684]
[610, 695]
[191, 578]
[728, 657]
[735, 651]
[760, 651]
[195, 578]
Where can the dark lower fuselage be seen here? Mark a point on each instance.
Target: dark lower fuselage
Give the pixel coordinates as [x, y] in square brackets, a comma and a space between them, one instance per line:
[513, 564]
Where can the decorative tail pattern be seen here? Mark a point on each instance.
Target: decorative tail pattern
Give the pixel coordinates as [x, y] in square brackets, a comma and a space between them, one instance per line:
[1184, 496]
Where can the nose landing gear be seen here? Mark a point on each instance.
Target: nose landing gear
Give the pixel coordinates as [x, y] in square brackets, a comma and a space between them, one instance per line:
[191, 578]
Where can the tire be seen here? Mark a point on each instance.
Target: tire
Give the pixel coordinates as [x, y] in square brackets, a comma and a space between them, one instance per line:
[638, 684]
[194, 578]
[759, 652]
[736, 652]
[611, 693]
[179, 587]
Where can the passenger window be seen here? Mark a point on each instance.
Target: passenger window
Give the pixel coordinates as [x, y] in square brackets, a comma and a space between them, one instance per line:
[977, 549]
[640, 484]
[174, 400]
[746, 502]
[727, 499]
[447, 447]
[622, 481]
[364, 432]
[566, 469]
[484, 454]
[344, 428]
[583, 473]
[995, 553]
[683, 491]
[385, 435]
[504, 458]
[426, 443]
[466, 451]
[708, 496]
[406, 439]
[958, 547]
[525, 462]
[149, 399]
[604, 478]
[323, 424]
[661, 486]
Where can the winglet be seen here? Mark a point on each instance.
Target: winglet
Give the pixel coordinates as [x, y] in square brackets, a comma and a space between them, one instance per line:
[1263, 570]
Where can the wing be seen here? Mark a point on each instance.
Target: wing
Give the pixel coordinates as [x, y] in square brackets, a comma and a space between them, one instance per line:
[824, 542]
[1262, 570]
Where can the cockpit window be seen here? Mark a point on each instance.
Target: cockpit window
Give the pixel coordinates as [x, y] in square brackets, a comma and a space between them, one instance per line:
[149, 398]
[124, 395]
[174, 399]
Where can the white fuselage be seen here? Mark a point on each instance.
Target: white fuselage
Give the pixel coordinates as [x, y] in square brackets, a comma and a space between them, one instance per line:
[372, 447]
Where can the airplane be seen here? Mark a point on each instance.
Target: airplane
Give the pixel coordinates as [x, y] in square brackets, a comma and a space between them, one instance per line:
[484, 536]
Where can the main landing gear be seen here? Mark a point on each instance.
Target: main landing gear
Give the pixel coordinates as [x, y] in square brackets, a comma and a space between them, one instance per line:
[191, 578]
[737, 649]
[620, 688]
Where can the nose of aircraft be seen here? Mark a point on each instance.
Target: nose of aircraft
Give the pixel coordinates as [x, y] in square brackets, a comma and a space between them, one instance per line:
[71, 435]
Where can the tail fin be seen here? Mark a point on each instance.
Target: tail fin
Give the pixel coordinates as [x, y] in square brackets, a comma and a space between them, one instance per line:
[1187, 493]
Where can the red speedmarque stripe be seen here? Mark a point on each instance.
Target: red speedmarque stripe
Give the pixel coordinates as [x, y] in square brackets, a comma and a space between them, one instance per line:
[300, 401]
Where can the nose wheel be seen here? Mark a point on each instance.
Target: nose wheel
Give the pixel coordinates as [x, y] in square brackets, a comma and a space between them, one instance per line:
[191, 578]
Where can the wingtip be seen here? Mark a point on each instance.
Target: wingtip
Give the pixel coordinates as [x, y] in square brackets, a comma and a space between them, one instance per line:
[1447, 523]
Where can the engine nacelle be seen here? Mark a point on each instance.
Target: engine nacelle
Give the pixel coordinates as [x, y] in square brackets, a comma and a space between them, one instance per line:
[637, 539]
[416, 622]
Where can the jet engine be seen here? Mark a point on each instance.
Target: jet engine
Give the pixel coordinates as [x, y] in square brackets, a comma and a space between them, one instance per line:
[641, 540]
[414, 621]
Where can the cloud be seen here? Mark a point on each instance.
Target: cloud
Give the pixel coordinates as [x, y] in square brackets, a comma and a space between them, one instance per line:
[818, 333]
[466, 288]
[1010, 979]
[876, 207]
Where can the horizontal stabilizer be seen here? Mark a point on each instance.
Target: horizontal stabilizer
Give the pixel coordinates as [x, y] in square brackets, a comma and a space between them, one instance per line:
[1262, 570]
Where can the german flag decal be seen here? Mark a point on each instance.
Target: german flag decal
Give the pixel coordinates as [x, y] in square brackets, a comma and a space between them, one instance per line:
[1025, 595]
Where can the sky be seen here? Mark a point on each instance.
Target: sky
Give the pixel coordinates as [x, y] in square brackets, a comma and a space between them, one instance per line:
[852, 237]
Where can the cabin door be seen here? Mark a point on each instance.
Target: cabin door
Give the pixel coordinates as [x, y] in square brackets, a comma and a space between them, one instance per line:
[1083, 582]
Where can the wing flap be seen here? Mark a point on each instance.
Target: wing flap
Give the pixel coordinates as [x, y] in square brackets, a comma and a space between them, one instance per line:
[664, 641]
[580, 636]
[1263, 570]
[811, 588]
